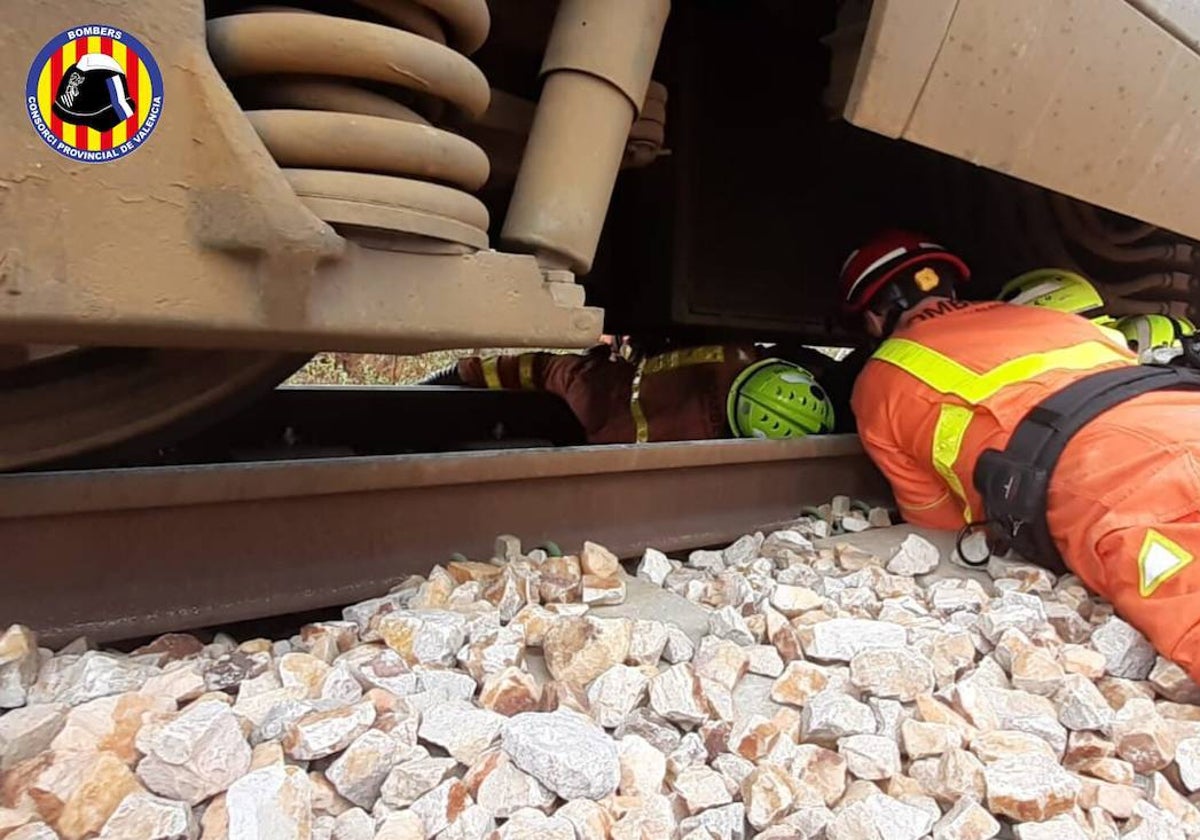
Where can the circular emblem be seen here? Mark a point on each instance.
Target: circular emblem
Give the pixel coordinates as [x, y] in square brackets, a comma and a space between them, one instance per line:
[94, 94]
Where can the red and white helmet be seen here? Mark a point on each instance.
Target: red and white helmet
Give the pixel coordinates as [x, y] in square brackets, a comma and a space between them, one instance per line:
[869, 269]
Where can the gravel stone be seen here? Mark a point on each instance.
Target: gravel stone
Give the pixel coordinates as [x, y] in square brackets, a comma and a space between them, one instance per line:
[271, 802]
[564, 751]
[320, 734]
[1030, 789]
[27, 731]
[141, 816]
[1081, 705]
[442, 806]
[1126, 651]
[579, 649]
[643, 767]
[411, 779]
[427, 637]
[767, 794]
[654, 566]
[462, 729]
[1142, 737]
[921, 739]
[915, 556]
[879, 816]
[358, 773]
[841, 639]
[676, 695]
[198, 754]
[896, 672]
[870, 757]
[831, 715]
[799, 683]
[701, 788]
[967, 820]
[614, 694]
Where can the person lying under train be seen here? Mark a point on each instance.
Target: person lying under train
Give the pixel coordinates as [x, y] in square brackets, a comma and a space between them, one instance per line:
[687, 393]
[1037, 426]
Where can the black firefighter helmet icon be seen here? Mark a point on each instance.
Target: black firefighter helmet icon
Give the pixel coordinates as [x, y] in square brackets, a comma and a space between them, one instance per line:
[94, 92]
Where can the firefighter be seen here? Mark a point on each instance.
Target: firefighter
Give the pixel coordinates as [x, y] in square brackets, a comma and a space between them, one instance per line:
[1027, 421]
[1066, 291]
[688, 393]
[1161, 339]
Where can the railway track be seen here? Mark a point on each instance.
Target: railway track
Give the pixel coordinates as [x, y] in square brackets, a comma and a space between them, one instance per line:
[120, 553]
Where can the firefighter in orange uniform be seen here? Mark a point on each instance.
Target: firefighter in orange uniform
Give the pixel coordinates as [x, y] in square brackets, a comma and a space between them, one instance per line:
[689, 393]
[1031, 422]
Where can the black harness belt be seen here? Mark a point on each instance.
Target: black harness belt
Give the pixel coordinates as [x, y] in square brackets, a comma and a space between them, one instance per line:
[1015, 482]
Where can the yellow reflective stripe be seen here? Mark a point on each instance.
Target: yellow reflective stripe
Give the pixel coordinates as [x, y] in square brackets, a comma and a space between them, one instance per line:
[491, 371]
[683, 358]
[953, 422]
[640, 426]
[949, 377]
[525, 370]
[1115, 336]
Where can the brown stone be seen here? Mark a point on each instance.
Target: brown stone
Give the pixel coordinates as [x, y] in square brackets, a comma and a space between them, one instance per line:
[799, 683]
[1142, 737]
[767, 794]
[510, 691]
[597, 560]
[1030, 788]
[105, 783]
[819, 771]
[172, 647]
[471, 570]
[580, 649]
[112, 724]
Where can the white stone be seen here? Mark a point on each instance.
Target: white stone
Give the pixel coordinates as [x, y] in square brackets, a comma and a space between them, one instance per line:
[879, 816]
[643, 767]
[1081, 706]
[442, 806]
[1030, 788]
[507, 789]
[648, 642]
[840, 639]
[413, 778]
[358, 773]
[677, 696]
[967, 820]
[615, 693]
[1187, 756]
[565, 751]
[725, 823]
[198, 754]
[27, 731]
[320, 734]
[654, 566]
[275, 801]
[870, 757]
[896, 672]
[680, 647]
[728, 623]
[1011, 610]
[701, 788]
[831, 715]
[764, 660]
[1059, 828]
[97, 674]
[534, 825]
[355, 824]
[1125, 650]
[424, 636]
[141, 816]
[461, 728]
[915, 556]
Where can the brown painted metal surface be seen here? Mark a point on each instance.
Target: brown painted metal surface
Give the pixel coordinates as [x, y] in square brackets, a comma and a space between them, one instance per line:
[121, 553]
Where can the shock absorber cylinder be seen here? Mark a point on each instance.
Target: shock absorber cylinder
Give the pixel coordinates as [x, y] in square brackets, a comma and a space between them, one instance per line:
[596, 71]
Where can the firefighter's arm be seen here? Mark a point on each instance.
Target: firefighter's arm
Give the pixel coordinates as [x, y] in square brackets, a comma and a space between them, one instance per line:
[921, 495]
[524, 371]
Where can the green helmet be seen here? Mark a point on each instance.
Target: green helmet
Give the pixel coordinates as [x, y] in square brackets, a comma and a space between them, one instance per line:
[1156, 338]
[1055, 288]
[777, 399]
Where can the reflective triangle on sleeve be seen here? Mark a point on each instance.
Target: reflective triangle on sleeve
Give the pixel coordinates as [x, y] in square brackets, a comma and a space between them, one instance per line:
[1159, 560]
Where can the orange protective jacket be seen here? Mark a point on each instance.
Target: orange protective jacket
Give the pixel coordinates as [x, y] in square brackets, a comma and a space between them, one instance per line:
[1124, 500]
[679, 395]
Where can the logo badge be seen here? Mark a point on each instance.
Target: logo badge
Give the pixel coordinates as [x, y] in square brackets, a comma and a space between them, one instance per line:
[94, 94]
[926, 279]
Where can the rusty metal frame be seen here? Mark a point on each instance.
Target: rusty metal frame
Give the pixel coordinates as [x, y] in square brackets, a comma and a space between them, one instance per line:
[198, 240]
[122, 553]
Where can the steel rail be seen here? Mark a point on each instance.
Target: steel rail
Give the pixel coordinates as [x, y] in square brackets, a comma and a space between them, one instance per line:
[116, 554]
